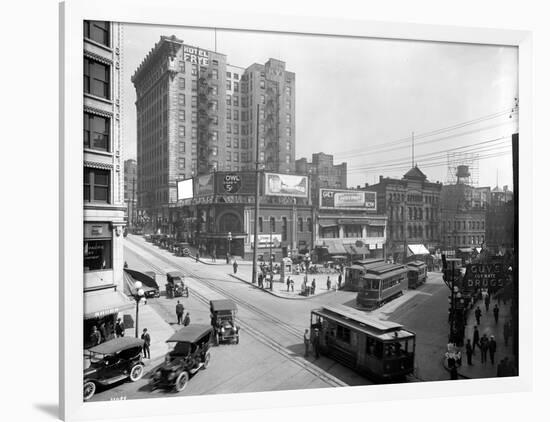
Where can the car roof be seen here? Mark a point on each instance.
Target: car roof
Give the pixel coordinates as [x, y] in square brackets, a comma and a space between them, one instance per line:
[175, 274]
[116, 345]
[190, 334]
[222, 305]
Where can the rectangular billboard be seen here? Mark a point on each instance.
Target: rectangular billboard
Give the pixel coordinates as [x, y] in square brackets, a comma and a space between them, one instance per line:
[267, 240]
[277, 184]
[235, 183]
[347, 199]
[185, 189]
[204, 185]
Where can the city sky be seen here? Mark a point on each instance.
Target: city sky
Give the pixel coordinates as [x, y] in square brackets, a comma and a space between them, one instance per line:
[361, 99]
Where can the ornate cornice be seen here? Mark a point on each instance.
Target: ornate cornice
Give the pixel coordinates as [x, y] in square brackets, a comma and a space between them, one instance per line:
[97, 111]
[98, 58]
[96, 165]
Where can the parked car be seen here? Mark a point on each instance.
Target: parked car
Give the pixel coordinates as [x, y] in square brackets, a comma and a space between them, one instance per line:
[182, 249]
[150, 286]
[190, 353]
[175, 286]
[111, 362]
[222, 317]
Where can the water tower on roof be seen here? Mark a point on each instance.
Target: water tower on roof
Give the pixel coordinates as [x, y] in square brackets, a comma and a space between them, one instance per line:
[462, 168]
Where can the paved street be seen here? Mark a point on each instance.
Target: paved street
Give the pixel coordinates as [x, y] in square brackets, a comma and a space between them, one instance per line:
[270, 353]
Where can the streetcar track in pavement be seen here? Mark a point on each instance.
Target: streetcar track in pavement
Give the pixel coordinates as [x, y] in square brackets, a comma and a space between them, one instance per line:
[257, 334]
[213, 286]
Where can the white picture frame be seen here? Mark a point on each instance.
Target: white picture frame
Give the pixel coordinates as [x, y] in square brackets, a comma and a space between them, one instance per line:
[172, 12]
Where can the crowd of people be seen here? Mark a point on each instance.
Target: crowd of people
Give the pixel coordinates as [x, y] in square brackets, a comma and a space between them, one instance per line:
[486, 343]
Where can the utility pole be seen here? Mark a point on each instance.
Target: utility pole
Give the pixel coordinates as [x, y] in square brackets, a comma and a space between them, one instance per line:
[257, 196]
[413, 149]
[132, 218]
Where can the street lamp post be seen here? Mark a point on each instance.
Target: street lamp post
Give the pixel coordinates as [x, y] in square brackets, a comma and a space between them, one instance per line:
[307, 260]
[138, 295]
[229, 238]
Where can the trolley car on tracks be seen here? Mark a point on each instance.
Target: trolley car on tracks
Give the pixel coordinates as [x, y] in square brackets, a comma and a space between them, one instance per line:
[382, 350]
[417, 273]
[380, 284]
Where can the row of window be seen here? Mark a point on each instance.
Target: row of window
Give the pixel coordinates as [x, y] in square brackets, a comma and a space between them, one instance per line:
[429, 199]
[414, 213]
[466, 240]
[472, 225]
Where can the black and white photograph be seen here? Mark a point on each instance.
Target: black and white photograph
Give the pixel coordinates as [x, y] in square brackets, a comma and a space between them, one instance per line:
[275, 211]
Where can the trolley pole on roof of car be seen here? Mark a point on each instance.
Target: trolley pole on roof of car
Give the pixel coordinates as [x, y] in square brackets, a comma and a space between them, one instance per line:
[257, 196]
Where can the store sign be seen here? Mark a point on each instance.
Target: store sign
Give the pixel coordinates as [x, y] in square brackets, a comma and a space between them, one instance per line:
[286, 185]
[195, 55]
[267, 240]
[235, 183]
[204, 185]
[97, 230]
[347, 199]
[484, 276]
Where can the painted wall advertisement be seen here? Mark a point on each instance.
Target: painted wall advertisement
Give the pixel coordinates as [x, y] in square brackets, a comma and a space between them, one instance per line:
[195, 55]
[204, 185]
[286, 185]
[236, 183]
[347, 199]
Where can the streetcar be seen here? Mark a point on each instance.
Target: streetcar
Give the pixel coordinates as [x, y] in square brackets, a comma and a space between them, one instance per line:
[355, 272]
[380, 284]
[417, 273]
[381, 350]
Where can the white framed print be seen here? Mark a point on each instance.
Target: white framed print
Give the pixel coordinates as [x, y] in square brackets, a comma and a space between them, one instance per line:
[380, 166]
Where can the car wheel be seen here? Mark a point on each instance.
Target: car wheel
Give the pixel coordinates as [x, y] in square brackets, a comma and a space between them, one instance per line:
[217, 339]
[206, 361]
[136, 372]
[89, 390]
[237, 341]
[181, 381]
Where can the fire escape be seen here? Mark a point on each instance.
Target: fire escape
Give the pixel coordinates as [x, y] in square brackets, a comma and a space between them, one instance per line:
[272, 159]
[207, 110]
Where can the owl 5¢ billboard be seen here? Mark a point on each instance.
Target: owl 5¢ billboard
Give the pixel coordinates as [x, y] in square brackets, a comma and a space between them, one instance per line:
[347, 199]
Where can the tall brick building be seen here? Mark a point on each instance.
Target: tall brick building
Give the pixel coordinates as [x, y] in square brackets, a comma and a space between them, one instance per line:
[323, 173]
[198, 114]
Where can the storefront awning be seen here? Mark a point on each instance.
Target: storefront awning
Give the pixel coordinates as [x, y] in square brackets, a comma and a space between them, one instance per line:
[105, 302]
[418, 250]
[334, 247]
[353, 249]
[465, 250]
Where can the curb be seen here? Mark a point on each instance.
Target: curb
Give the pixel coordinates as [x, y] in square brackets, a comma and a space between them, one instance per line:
[449, 370]
[279, 295]
[215, 263]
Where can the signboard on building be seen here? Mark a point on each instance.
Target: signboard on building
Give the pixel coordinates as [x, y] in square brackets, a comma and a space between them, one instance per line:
[195, 55]
[491, 276]
[286, 185]
[235, 183]
[204, 185]
[267, 240]
[185, 189]
[347, 199]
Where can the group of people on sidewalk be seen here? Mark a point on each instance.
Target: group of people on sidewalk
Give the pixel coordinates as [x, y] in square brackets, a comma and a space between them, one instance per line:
[486, 343]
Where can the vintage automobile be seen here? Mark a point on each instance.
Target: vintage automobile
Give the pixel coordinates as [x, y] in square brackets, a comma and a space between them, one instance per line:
[150, 286]
[175, 286]
[190, 353]
[111, 362]
[182, 249]
[222, 317]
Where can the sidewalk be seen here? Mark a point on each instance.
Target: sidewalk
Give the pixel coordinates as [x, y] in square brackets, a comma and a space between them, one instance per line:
[158, 329]
[280, 288]
[491, 328]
